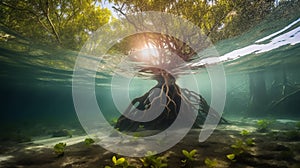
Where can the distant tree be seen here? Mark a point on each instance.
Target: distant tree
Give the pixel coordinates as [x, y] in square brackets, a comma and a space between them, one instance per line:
[67, 23]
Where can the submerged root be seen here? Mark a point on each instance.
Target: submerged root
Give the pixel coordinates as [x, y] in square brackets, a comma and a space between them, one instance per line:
[170, 100]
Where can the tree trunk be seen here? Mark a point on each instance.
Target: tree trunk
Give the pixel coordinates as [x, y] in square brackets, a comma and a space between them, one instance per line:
[258, 94]
[166, 99]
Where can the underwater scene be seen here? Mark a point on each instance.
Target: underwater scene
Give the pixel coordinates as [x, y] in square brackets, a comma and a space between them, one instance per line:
[138, 84]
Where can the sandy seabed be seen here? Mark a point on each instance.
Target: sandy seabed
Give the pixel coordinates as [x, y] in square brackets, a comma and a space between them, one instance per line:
[277, 147]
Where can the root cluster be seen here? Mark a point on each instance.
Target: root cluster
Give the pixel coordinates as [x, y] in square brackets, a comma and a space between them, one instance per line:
[166, 99]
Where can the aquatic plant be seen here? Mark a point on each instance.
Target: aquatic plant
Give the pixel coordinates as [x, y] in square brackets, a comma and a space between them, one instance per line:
[141, 126]
[211, 163]
[89, 141]
[263, 125]
[231, 157]
[59, 148]
[250, 141]
[152, 161]
[121, 162]
[245, 132]
[189, 157]
[239, 147]
[114, 121]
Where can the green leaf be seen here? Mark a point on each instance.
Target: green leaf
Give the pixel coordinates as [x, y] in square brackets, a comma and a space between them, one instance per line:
[193, 152]
[244, 132]
[59, 148]
[120, 161]
[185, 153]
[210, 163]
[250, 141]
[207, 161]
[89, 141]
[114, 160]
[231, 156]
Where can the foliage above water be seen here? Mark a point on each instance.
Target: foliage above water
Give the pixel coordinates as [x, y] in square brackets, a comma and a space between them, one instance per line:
[19, 51]
[66, 23]
[218, 19]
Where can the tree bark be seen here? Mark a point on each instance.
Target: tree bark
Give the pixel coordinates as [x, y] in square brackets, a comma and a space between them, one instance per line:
[177, 100]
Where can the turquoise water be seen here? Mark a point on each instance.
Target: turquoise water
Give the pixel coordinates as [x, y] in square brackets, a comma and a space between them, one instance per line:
[36, 81]
[261, 68]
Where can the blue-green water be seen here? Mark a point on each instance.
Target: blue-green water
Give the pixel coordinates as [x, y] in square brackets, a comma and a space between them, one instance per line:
[36, 81]
[262, 81]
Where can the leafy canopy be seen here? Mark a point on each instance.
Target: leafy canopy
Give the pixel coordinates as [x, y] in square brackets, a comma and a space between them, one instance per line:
[67, 23]
[219, 19]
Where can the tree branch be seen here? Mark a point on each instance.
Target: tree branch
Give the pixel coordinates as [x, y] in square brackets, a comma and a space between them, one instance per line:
[37, 17]
[47, 14]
